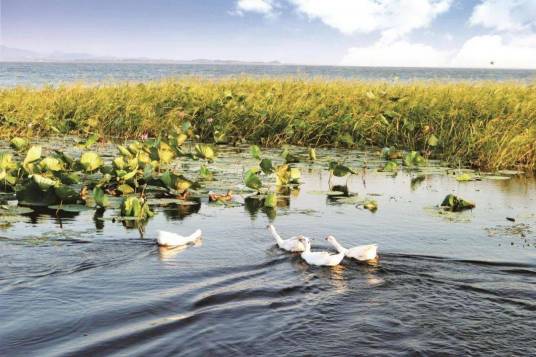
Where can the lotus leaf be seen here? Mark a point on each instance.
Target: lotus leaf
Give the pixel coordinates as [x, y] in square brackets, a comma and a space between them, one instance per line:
[91, 161]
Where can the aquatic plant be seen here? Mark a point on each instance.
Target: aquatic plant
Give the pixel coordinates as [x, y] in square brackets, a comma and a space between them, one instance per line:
[456, 204]
[486, 125]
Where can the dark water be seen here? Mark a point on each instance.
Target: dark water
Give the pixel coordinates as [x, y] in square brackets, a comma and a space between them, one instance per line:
[38, 74]
[78, 285]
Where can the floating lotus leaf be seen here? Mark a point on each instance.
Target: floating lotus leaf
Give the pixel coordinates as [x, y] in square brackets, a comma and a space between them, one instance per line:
[6, 161]
[33, 154]
[255, 152]
[101, 199]
[266, 166]
[124, 151]
[390, 166]
[282, 174]
[19, 144]
[135, 208]
[205, 174]
[251, 179]
[125, 189]
[119, 163]
[413, 158]
[91, 161]
[51, 164]
[339, 170]
[467, 177]
[165, 153]
[205, 151]
[312, 154]
[456, 204]
[135, 147]
[44, 183]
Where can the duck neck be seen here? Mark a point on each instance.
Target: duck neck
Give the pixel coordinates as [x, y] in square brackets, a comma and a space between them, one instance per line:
[339, 247]
[307, 246]
[278, 239]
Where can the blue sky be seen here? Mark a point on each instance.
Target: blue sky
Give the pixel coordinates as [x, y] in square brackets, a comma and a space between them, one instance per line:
[466, 33]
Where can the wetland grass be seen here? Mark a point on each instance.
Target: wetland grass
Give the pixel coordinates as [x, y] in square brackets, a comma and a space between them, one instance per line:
[485, 125]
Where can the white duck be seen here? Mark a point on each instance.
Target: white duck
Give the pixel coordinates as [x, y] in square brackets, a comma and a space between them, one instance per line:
[319, 258]
[360, 252]
[168, 239]
[291, 245]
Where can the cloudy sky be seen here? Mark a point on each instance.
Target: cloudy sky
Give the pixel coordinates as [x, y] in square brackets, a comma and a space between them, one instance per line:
[442, 33]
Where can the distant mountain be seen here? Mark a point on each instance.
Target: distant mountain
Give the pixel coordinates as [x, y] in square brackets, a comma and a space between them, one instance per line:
[9, 54]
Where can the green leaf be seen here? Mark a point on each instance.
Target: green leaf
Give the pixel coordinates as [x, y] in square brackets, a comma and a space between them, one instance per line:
[101, 199]
[51, 164]
[205, 174]
[413, 158]
[124, 151]
[205, 151]
[6, 161]
[19, 144]
[339, 170]
[91, 161]
[44, 183]
[255, 152]
[433, 140]
[390, 166]
[125, 189]
[266, 166]
[312, 154]
[271, 200]
[33, 154]
[251, 180]
[456, 204]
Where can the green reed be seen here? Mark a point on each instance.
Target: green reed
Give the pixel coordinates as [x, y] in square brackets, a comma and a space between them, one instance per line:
[486, 125]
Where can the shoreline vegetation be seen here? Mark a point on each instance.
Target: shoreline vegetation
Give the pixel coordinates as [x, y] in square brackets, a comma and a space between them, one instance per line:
[485, 125]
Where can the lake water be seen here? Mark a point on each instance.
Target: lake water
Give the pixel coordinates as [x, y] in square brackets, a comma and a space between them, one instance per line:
[39, 74]
[458, 284]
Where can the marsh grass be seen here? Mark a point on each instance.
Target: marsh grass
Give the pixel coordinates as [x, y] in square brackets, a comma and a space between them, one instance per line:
[486, 125]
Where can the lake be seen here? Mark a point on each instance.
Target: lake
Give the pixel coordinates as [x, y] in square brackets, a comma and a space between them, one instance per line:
[39, 74]
[445, 284]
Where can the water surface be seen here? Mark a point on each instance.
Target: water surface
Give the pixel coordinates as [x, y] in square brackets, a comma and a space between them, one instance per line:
[451, 285]
[39, 74]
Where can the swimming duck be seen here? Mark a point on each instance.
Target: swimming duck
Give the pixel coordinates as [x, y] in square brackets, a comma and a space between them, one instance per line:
[319, 258]
[291, 245]
[168, 239]
[360, 252]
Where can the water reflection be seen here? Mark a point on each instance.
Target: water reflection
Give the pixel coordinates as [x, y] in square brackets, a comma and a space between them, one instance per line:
[169, 253]
[180, 212]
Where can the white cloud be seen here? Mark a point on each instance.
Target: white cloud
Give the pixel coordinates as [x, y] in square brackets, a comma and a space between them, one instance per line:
[393, 18]
[396, 54]
[265, 7]
[505, 15]
[479, 51]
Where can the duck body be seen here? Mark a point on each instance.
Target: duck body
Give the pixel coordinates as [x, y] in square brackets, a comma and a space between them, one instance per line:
[360, 252]
[169, 239]
[292, 244]
[320, 258]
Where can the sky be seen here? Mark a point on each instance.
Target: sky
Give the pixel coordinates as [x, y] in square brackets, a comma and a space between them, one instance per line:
[415, 33]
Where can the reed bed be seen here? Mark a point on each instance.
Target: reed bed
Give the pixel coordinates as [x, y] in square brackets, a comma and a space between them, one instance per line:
[486, 125]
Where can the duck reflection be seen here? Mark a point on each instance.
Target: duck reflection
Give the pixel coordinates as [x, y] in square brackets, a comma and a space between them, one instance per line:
[169, 253]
